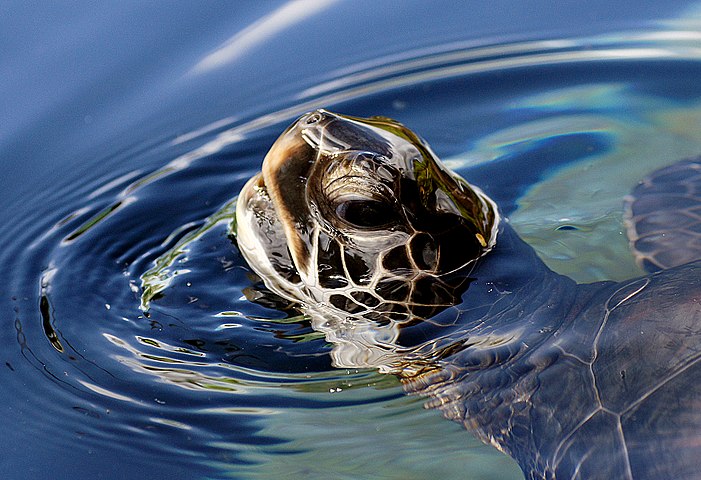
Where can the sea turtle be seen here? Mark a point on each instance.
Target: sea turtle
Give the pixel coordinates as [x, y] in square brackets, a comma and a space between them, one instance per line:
[408, 268]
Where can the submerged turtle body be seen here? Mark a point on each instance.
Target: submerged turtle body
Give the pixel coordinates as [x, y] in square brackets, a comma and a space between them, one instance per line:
[407, 268]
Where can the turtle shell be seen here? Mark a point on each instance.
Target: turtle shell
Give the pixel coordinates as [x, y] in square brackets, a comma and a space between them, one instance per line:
[608, 386]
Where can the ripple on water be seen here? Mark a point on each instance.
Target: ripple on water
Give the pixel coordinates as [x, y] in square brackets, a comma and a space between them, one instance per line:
[194, 374]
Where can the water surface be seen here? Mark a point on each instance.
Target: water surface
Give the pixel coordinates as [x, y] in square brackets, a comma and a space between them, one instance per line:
[121, 141]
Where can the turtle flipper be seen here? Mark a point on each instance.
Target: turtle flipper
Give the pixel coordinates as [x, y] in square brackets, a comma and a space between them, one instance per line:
[663, 216]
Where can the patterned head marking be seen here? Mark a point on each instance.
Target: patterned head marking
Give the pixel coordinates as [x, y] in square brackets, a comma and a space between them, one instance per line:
[357, 219]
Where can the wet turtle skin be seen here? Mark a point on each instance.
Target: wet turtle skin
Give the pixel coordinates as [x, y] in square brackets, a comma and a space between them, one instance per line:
[407, 268]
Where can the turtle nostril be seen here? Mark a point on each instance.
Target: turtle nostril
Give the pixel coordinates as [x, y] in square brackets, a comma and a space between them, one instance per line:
[314, 117]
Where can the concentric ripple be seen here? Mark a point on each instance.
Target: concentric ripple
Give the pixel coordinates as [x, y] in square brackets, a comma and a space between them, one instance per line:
[132, 312]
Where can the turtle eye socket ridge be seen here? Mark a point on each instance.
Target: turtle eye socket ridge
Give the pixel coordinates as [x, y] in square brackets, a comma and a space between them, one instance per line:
[365, 213]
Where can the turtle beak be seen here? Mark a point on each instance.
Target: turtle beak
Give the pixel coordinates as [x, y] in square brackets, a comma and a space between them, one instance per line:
[285, 171]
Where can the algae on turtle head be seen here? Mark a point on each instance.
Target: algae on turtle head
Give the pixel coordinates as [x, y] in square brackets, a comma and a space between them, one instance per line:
[406, 267]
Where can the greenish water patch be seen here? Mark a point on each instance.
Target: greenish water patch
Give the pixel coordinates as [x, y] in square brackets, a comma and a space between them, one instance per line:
[574, 216]
[158, 278]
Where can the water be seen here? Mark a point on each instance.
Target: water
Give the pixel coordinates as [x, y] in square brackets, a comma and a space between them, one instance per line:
[119, 142]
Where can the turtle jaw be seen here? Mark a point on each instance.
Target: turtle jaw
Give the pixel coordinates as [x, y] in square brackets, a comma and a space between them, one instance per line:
[260, 238]
[273, 227]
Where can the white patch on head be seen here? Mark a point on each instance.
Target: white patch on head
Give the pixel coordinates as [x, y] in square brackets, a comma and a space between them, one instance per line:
[249, 224]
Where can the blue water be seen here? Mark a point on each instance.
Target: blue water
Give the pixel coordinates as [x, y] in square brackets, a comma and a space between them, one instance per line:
[125, 126]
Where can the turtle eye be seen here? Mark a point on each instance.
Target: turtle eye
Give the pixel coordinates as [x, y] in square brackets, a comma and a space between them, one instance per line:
[365, 213]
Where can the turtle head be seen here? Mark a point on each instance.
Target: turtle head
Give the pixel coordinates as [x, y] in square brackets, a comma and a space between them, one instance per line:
[360, 214]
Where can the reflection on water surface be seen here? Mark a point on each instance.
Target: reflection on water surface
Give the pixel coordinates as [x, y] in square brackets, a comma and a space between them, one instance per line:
[117, 157]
